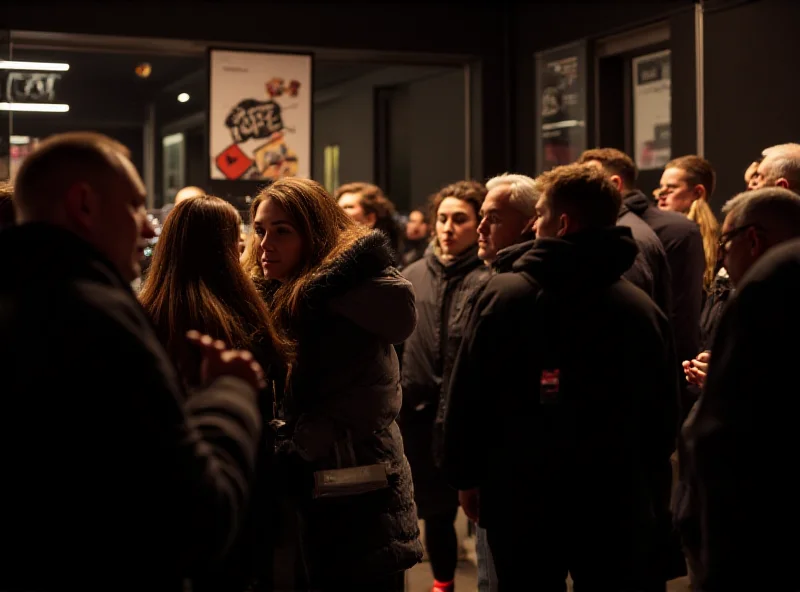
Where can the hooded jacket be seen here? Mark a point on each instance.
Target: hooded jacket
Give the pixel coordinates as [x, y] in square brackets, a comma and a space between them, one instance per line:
[567, 392]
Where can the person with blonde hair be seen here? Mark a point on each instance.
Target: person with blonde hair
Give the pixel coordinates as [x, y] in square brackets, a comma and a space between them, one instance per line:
[687, 185]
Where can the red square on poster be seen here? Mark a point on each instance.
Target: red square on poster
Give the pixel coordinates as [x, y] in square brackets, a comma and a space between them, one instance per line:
[232, 162]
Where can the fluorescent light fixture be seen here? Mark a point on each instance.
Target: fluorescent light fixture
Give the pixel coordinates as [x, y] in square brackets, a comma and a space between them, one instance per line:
[172, 139]
[20, 139]
[39, 66]
[183, 97]
[36, 107]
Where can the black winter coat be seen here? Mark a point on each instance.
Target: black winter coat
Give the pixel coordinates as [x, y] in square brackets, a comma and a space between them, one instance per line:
[742, 445]
[683, 244]
[445, 295]
[346, 380]
[561, 438]
[110, 481]
[650, 270]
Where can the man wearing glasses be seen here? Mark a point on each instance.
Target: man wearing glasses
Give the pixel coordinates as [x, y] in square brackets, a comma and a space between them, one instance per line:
[755, 222]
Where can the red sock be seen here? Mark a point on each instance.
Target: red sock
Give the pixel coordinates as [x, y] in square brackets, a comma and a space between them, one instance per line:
[444, 586]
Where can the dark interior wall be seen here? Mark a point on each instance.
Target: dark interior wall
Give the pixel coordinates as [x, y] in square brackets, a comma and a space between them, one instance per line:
[438, 28]
[752, 56]
[437, 132]
[547, 25]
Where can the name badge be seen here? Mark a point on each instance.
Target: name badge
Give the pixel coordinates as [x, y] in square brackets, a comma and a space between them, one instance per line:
[549, 386]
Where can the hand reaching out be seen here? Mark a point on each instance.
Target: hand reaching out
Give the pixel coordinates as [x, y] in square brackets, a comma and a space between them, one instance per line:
[218, 361]
[696, 370]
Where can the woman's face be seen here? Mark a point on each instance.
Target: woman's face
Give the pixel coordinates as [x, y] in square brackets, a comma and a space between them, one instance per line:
[456, 226]
[281, 243]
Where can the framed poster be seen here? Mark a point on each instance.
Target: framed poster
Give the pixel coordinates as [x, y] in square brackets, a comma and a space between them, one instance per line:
[259, 115]
[652, 103]
[560, 105]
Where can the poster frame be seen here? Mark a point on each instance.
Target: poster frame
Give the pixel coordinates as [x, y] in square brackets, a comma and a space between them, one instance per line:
[580, 49]
[217, 48]
[635, 60]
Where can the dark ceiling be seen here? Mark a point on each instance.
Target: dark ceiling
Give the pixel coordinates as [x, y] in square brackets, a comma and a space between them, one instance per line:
[116, 72]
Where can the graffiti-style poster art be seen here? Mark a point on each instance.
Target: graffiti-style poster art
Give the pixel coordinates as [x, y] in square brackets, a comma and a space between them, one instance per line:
[259, 115]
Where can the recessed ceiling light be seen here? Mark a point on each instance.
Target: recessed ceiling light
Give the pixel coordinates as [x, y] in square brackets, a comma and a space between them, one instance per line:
[183, 97]
[143, 70]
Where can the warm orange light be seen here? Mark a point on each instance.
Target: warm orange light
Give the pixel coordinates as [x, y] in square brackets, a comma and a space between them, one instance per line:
[143, 70]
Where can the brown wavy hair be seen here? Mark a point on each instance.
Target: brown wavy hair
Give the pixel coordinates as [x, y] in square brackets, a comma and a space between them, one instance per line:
[472, 192]
[326, 232]
[374, 201]
[196, 282]
[700, 172]
[251, 258]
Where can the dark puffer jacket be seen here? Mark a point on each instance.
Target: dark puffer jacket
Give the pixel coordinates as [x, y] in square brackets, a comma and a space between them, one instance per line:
[347, 379]
[446, 294]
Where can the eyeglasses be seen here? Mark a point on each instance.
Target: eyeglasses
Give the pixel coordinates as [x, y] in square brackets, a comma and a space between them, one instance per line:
[724, 242]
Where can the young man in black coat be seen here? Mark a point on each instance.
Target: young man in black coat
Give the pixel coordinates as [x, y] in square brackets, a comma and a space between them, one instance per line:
[567, 402]
[683, 244]
[112, 478]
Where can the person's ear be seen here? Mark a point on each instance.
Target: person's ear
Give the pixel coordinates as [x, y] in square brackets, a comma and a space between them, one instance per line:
[782, 182]
[528, 227]
[700, 192]
[371, 219]
[757, 243]
[564, 224]
[81, 204]
[617, 181]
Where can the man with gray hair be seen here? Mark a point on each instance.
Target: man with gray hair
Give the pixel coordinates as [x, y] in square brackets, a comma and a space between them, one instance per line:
[756, 221]
[779, 167]
[508, 212]
[718, 503]
[504, 235]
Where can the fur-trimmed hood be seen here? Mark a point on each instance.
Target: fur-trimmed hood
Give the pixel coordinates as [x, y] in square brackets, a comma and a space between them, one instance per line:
[361, 284]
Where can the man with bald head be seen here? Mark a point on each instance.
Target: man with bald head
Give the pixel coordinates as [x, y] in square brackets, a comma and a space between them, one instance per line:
[109, 476]
[187, 192]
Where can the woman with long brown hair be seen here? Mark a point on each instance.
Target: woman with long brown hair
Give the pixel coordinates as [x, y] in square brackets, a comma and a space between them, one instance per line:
[333, 291]
[196, 282]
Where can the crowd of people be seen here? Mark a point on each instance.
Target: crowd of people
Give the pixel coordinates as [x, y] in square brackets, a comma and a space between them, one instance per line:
[278, 411]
